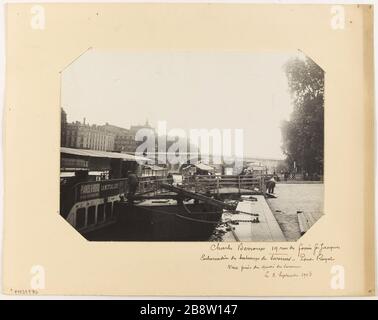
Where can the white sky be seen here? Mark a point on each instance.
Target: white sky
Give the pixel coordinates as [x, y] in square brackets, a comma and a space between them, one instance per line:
[188, 90]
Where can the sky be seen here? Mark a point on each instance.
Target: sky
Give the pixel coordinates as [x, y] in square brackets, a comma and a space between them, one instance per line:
[187, 90]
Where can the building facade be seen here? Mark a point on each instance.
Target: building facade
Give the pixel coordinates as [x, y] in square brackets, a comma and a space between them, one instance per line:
[106, 137]
[63, 126]
[84, 136]
[124, 140]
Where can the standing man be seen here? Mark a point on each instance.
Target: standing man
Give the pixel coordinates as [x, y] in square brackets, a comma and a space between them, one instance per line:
[271, 185]
[132, 181]
[170, 178]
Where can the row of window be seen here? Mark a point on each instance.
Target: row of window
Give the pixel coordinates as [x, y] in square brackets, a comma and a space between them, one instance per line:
[86, 217]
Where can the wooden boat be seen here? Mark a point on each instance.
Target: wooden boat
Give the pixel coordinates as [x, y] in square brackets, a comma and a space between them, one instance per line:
[100, 212]
[161, 220]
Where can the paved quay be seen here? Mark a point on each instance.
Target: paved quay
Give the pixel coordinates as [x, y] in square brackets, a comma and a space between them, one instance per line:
[305, 197]
[266, 230]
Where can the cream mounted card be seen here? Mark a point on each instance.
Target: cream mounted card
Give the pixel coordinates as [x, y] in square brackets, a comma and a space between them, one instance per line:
[157, 149]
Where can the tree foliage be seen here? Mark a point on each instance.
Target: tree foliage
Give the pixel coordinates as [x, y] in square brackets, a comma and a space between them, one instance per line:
[303, 134]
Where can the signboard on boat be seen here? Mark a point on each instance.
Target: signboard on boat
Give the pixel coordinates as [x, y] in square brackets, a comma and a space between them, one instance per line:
[101, 189]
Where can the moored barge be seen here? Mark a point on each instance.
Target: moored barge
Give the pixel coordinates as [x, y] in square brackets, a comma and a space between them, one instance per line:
[101, 211]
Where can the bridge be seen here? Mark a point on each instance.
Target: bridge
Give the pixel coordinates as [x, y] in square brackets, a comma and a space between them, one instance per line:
[216, 185]
[193, 157]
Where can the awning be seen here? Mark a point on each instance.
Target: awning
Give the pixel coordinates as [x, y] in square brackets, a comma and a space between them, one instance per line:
[102, 154]
[204, 167]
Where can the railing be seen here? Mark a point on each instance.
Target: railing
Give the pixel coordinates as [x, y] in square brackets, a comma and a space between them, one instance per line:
[85, 191]
[150, 184]
[296, 176]
[204, 183]
[90, 190]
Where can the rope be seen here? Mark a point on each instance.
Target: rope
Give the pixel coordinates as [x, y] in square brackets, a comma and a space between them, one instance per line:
[248, 213]
[197, 220]
[186, 209]
[169, 213]
[204, 221]
[235, 235]
[187, 218]
[217, 222]
[240, 220]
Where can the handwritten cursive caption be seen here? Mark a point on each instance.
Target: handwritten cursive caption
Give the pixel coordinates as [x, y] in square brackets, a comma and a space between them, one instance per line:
[276, 261]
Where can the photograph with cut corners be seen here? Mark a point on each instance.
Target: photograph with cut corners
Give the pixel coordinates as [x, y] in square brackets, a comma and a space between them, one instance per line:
[192, 146]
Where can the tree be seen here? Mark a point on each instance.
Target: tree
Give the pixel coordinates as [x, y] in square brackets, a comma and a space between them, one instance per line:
[303, 134]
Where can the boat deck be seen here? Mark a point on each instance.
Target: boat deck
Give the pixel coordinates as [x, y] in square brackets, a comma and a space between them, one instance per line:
[266, 230]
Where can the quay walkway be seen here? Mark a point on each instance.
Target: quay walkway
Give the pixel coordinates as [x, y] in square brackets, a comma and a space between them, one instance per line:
[266, 230]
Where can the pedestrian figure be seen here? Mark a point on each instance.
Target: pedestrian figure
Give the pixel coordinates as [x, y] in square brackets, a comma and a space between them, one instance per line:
[170, 178]
[271, 185]
[132, 181]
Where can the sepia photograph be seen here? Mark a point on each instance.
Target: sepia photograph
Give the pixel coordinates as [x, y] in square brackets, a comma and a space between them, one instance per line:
[182, 150]
[181, 146]
[192, 147]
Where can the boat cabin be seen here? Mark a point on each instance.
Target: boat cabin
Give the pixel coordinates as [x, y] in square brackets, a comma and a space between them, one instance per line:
[91, 185]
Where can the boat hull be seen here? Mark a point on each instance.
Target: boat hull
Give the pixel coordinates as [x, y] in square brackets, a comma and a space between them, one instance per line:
[166, 221]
